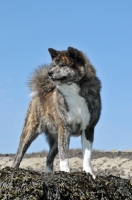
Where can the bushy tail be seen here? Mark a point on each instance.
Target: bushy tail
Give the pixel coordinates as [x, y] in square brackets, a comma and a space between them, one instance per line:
[39, 81]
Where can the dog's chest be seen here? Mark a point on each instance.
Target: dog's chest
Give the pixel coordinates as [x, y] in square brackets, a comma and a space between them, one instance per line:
[78, 113]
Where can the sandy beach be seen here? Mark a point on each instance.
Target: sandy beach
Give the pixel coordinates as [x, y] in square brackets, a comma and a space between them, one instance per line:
[104, 163]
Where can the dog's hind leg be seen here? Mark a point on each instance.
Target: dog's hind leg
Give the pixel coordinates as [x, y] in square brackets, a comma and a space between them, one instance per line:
[30, 131]
[53, 143]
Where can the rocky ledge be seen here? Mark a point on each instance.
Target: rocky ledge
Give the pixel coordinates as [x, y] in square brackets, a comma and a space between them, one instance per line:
[22, 184]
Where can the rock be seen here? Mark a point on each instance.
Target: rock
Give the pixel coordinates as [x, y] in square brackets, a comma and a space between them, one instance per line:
[25, 184]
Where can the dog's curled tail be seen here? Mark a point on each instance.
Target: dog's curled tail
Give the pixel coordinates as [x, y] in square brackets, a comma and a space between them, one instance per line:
[39, 81]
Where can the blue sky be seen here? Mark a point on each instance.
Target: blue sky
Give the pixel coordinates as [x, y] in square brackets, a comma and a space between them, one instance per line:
[101, 29]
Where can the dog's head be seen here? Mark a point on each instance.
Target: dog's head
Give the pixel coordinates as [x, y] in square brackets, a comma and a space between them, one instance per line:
[67, 66]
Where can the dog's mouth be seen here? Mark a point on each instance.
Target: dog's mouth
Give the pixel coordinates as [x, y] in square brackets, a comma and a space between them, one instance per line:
[59, 79]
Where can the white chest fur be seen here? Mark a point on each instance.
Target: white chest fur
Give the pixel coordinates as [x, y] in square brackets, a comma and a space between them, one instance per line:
[78, 109]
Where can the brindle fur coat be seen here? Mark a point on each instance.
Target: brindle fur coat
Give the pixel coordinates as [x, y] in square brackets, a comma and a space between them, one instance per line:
[48, 108]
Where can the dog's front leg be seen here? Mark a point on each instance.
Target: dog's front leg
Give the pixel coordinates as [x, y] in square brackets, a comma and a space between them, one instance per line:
[63, 146]
[87, 143]
[64, 132]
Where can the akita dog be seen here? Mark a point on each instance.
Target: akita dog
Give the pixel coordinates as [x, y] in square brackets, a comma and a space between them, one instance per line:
[66, 102]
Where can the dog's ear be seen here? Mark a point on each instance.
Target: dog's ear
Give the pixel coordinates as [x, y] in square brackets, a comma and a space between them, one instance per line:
[76, 55]
[53, 52]
[72, 52]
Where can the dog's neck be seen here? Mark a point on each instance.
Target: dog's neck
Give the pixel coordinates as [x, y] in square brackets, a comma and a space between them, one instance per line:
[72, 89]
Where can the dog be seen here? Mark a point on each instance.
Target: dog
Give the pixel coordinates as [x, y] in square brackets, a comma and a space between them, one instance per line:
[65, 102]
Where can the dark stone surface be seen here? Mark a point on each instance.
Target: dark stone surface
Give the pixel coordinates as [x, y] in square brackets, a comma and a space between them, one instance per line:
[21, 184]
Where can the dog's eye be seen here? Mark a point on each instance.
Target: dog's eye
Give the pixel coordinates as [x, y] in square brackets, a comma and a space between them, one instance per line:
[62, 65]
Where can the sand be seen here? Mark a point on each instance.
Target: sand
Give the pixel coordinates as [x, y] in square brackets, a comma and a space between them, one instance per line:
[104, 163]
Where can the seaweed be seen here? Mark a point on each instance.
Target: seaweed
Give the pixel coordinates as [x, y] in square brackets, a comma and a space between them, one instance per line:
[18, 184]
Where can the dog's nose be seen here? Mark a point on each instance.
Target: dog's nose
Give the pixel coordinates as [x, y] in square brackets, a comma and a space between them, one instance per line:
[50, 73]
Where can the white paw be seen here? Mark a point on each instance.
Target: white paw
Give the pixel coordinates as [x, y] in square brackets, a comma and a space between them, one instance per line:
[64, 165]
[88, 169]
[93, 175]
